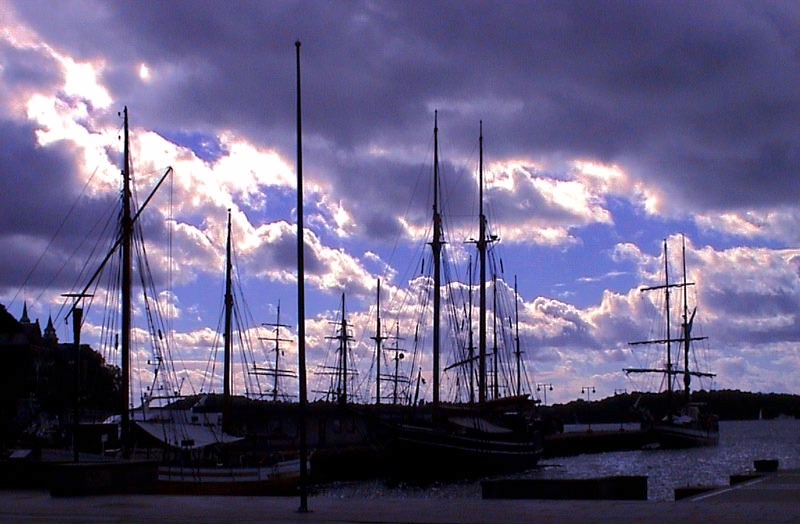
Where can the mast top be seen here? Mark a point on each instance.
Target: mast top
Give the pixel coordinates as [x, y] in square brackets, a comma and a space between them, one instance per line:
[436, 165]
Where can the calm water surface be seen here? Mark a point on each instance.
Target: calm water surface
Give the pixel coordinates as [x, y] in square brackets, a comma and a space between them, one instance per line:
[740, 444]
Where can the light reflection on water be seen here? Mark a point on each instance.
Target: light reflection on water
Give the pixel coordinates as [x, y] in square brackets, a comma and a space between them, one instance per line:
[741, 442]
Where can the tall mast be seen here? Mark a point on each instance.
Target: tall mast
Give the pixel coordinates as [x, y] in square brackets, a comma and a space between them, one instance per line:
[496, 385]
[688, 321]
[669, 371]
[277, 372]
[339, 372]
[517, 353]
[278, 326]
[277, 352]
[482, 296]
[669, 333]
[397, 357]
[226, 388]
[378, 351]
[124, 243]
[126, 234]
[436, 247]
[343, 338]
[278, 340]
[343, 357]
[471, 354]
[687, 326]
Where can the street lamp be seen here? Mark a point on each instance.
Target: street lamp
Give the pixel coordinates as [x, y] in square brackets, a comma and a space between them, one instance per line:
[544, 387]
[622, 391]
[77, 321]
[588, 390]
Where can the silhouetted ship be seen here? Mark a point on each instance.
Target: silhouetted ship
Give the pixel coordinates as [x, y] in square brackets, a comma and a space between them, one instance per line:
[204, 452]
[198, 449]
[450, 440]
[686, 423]
[229, 444]
[208, 443]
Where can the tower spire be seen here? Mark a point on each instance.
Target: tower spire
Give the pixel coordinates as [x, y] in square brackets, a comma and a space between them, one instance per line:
[24, 319]
[50, 335]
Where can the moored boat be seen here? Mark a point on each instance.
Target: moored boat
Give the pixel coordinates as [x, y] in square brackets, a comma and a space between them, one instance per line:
[200, 450]
[482, 436]
[279, 479]
[685, 423]
[462, 444]
[210, 457]
[693, 426]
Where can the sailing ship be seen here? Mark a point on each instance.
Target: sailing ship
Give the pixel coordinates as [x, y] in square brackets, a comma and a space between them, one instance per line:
[686, 423]
[226, 475]
[399, 393]
[343, 439]
[190, 432]
[473, 438]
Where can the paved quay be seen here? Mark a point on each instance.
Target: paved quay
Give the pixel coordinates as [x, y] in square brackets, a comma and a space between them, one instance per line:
[773, 498]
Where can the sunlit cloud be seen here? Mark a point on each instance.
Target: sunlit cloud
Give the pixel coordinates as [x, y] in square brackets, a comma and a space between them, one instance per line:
[144, 72]
[589, 168]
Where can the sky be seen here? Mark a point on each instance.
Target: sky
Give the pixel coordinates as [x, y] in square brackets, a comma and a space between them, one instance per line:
[608, 127]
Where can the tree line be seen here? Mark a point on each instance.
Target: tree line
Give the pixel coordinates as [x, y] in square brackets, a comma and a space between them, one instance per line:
[726, 404]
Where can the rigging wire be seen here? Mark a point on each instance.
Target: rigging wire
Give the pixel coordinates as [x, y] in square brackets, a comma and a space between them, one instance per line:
[52, 241]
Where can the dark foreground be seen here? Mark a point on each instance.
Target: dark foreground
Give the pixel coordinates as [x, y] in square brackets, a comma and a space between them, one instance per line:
[772, 498]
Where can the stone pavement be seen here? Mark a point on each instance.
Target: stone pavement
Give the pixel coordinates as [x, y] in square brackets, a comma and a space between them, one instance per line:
[772, 498]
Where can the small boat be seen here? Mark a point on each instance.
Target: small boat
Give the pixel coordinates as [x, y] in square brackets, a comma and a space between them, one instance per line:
[685, 423]
[279, 479]
[209, 452]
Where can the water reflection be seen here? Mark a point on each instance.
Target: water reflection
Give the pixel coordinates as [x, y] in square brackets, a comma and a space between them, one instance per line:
[741, 443]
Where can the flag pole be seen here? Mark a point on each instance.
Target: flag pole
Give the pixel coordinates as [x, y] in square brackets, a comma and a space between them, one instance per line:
[301, 316]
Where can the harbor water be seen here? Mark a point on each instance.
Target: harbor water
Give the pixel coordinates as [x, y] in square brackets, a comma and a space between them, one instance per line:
[741, 442]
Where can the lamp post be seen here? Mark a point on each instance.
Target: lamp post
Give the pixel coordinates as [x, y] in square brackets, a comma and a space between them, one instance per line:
[621, 391]
[544, 387]
[588, 390]
[77, 321]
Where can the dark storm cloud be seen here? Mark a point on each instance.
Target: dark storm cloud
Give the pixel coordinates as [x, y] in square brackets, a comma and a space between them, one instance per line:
[38, 189]
[35, 182]
[757, 317]
[698, 98]
[375, 185]
[26, 68]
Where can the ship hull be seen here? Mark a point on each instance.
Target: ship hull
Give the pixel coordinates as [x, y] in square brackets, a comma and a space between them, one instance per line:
[676, 437]
[280, 479]
[430, 453]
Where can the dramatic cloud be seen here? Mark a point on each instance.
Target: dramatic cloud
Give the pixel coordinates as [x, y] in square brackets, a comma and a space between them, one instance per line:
[607, 127]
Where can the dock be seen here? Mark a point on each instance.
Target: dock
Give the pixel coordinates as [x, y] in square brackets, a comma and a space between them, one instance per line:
[769, 498]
